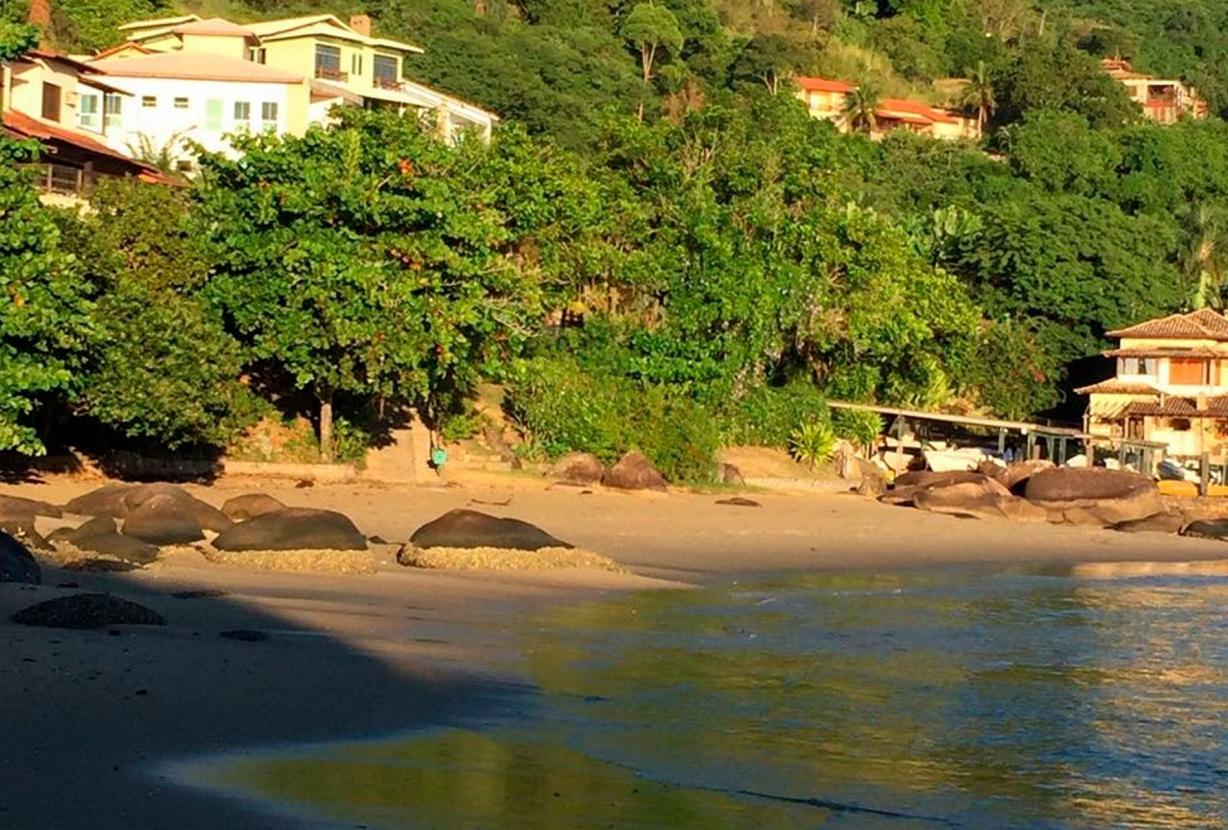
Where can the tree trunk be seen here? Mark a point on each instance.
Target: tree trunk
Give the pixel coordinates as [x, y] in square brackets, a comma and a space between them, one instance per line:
[326, 429]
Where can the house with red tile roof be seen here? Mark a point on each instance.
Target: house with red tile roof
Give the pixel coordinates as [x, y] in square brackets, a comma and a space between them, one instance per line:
[1162, 100]
[1171, 385]
[827, 99]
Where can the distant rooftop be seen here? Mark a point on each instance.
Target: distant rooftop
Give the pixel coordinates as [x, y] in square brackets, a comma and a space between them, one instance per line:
[1203, 324]
[191, 66]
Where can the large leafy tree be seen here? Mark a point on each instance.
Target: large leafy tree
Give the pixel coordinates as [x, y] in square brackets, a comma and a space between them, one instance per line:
[372, 259]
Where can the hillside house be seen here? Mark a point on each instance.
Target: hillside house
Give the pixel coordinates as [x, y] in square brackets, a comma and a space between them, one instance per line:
[61, 103]
[827, 99]
[339, 64]
[1171, 385]
[1162, 101]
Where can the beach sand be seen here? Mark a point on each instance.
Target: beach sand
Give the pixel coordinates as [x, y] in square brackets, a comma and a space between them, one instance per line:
[89, 716]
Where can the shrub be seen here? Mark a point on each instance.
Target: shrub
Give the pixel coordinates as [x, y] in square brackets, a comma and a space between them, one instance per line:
[679, 435]
[812, 443]
[768, 416]
[859, 427]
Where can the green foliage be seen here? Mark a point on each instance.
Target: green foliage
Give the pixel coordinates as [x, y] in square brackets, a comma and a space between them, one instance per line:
[44, 307]
[767, 416]
[857, 426]
[812, 443]
[1057, 76]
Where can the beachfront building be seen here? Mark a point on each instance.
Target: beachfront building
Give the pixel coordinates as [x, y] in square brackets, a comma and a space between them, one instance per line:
[1171, 385]
[827, 99]
[61, 103]
[339, 64]
[1162, 100]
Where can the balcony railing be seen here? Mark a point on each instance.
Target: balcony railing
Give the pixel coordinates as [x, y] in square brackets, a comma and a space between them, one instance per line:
[387, 82]
[62, 179]
[327, 73]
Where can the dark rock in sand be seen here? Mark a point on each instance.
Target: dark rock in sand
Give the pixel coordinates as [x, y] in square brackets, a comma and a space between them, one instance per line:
[245, 635]
[634, 472]
[22, 528]
[471, 529]
[17, 506]
[738, 501]
[161, 520]
[107, 500]
[1207, 529]
[188, 506]
[106, 566]
[1159, 523]
[929, 478]
[98, 535]
[982, 498]
[293, 528]
[1014, 477]
[250, 505]
[303, 484]
[1094, 496]
[16, 562]
[731, 475]
[578, 468]
[909, 485]
[871, 481]
[87, 611]
[201, 593]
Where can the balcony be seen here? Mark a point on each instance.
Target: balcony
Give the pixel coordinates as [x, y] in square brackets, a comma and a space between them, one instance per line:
[328, 73]
[387, 82]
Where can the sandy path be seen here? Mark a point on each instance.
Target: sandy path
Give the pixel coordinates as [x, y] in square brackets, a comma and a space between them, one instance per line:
[363, 655]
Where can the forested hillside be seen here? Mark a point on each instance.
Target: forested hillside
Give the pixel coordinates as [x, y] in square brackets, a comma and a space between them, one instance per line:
[721, 262]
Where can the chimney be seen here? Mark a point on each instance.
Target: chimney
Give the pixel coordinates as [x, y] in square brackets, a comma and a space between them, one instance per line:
[39, 16]
[361, 23]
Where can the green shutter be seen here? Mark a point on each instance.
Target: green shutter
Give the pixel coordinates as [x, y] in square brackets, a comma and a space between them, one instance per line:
[213, 114]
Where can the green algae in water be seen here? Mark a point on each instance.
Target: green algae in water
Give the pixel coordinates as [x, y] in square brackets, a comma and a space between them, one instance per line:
[460, 778]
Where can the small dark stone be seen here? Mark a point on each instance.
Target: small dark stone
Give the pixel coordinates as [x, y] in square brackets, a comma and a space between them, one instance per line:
[87, 611]
[202, 593]
[141, 692]
[377, 540]
[305, 483]
[739, 501]
[114, 632]
[245, 635]
[68, 585]
[17, 564]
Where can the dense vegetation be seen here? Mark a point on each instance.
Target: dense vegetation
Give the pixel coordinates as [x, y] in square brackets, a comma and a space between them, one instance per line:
[660, 249]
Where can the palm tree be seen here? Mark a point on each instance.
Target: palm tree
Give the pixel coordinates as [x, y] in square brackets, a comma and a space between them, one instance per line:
[861, 109]
[1204, 262]
[978, 95]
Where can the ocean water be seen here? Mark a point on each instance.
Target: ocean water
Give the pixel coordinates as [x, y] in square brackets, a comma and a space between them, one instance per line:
[1071, 697]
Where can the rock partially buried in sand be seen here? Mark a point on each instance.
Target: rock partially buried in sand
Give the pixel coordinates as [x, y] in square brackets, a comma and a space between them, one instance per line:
[293, 528]
[18, 506]
[98, 535]
[87, 611]
[161, 520]
[578, 468]
[16, 562]
[984, 498]
[634, 472]
[1159, 523]
[187, 505]
[471, 529]
[107, 500]
[909, 485]
[1014, 477]
[1207, 529]
[739, 501]
[249, 506]
[22, 529]
[1094, 496]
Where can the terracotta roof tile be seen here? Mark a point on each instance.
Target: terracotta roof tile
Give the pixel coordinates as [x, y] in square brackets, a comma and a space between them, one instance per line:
[811, 84]
[1113, 386]
[888, 106]
[191, 66]
[1203, 324]
[213, 26]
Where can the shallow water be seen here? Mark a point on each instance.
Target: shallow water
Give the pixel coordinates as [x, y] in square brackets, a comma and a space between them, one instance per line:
[1064, 698]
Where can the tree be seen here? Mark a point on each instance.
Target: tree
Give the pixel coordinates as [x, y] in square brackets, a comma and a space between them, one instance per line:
[650, 29]
[372, 259]
[1203, 263]
[767, 60]
[978, 95]
[861, 109]
[1056, 76]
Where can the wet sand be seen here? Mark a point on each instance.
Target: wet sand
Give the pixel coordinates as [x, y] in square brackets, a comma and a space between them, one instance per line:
[89, 716]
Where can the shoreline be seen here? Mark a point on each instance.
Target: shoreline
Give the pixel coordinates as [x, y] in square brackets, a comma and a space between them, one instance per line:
[359, 657]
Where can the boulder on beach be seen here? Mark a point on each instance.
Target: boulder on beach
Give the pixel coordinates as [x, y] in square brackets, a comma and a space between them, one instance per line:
[21, 527]
[578, 468]
[187, 505]
[909, 485]
[1207, 529]
[107, 500]
[1014, 476]
[162, 520]
[1094, 496]
[471, 529]
[18, 506]
[87, 611]
[634, 472]
[249, 505]
[16, 562]
[981, 498]
[871, 480]
[1159, 523]
[293, 528]
[99, 535]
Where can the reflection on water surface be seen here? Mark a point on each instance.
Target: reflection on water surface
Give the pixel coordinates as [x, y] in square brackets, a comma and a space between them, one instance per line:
[1071, 699]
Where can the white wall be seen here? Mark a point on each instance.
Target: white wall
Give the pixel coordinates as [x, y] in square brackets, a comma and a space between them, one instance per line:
[164, 122]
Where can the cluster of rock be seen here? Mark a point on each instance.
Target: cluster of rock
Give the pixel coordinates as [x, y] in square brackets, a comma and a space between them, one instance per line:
[1040, 492]
[631, 472]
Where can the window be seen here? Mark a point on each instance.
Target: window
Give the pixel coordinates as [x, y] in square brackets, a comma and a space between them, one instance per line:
[51, 101]
[149, 101]
[1179, 424]
[181, 103]
[243, 113]
[387, 70]
[1137, 366]
[268, 115]
[356, 63]
[113, 111]
[88, 115]
[1186, 371]
[328, 62]
[213, 115]
[257, 54]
